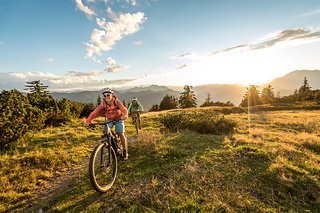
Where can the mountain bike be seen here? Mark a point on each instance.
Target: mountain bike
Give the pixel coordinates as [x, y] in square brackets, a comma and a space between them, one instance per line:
[136, 121]
[103, 164]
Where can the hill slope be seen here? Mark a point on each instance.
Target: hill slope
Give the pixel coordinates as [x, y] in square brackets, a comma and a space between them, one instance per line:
[219, 92]
[270, 164]
[293, 80]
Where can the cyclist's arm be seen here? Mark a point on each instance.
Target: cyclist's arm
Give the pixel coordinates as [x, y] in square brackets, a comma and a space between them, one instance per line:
[124, 111]
[129, 108]
[98, 110]
[140, 107]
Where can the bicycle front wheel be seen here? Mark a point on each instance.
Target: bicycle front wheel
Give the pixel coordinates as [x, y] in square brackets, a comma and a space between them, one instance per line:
[102, 168]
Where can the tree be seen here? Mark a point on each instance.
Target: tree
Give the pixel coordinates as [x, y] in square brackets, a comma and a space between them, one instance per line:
[208, 101]
[98, 100]
[154, 108]
[168, 102]
[187, 98]
[267, 95]
[304, 92]
[251, 97]
[37, 88]
[17, 116]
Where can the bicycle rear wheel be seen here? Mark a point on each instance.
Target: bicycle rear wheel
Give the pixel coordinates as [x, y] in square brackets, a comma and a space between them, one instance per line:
[102, 168]
[137, 124]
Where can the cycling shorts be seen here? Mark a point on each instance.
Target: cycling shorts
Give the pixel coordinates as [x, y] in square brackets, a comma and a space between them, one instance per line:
[119, 125]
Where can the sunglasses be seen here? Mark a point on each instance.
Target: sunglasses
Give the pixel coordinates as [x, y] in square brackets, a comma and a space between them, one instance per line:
[107, 95]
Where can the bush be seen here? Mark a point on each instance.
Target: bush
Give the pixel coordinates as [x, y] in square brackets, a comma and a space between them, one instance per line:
[18, 116]
[204, 123]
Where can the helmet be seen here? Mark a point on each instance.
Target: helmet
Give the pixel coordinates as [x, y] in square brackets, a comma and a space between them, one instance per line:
[106, 90]
[134, 99]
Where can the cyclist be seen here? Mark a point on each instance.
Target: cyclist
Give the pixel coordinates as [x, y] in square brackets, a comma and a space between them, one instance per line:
[114, 111]
[135, 107]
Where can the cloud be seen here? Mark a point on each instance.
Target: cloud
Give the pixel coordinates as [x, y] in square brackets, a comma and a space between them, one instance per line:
[181, 66]
[50, 60]
[189, 56]
[73, 80]
[312, 13]
[257, 62]
[103, 39]
[113, 66]
[288, 36]
[132, 2]
[138, 42]
[84, 8]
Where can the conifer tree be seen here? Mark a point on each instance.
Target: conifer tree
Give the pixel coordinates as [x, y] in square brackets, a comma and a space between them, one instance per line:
[168, 102]
[251, 97]
[187, 98]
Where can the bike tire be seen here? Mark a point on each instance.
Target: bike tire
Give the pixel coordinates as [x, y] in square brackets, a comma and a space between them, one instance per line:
[137, 125]
[103, 176]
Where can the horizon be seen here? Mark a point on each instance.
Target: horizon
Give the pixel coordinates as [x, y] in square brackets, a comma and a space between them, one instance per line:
[93, 44]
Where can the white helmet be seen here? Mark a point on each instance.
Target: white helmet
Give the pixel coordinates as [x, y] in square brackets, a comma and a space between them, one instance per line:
[106, 90]
[134, 99]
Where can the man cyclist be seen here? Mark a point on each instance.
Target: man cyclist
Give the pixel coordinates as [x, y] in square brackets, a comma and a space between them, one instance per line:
[114, 111]
[135, 107]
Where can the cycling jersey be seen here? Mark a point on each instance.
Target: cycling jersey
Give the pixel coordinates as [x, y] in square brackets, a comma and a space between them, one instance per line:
[112, 111]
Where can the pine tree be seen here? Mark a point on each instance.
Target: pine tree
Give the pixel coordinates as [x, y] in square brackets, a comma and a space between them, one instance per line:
[37, 88]
[187, 98]
[305, 90]
[168, 102]
[251, 97]
[98, 100]
[267, 95]
[208, 101]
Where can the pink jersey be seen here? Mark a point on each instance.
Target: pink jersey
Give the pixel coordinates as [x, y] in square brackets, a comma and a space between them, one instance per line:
[112, 111]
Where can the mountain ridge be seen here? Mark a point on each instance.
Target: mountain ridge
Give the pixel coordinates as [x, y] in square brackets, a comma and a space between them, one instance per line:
[153, 94]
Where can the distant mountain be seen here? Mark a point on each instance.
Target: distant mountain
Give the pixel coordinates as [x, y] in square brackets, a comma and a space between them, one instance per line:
[219, 92]
[293, 80]
[153, 88]
[146, 95]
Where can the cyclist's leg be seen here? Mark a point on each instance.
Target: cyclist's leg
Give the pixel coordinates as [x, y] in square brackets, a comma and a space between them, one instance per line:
[139, 118]
[110, 125]
[120, 129]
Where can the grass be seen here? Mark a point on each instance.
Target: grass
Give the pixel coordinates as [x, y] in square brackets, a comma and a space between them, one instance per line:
[271, 163]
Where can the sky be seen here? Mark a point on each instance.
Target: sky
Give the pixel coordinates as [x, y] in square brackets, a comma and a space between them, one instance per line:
[91, 44]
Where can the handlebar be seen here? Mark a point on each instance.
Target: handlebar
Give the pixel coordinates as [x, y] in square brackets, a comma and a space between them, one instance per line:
[97, 123]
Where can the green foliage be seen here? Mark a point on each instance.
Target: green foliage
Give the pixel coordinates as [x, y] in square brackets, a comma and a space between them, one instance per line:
[187, 98]
[267, 95]
[154, 108]
[18, 116]
[251, 97]
[87, 109]
[168, 102]
[203, 123]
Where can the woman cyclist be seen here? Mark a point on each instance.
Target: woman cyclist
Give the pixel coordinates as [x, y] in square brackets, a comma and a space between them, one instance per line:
[115, 113]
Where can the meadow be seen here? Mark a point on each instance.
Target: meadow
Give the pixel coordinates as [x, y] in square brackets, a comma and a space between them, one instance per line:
[269, 163]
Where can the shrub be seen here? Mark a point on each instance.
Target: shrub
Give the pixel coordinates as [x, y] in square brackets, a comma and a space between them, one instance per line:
[18, 116]
[204, 123]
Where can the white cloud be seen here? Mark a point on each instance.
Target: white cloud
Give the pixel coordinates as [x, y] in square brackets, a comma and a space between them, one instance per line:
[84, 8]
[312, 13]
[138, 42]
[254, 63]
[132, 2]
[73, 80]
[112, 66]
[50, 60]
[102, 40]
